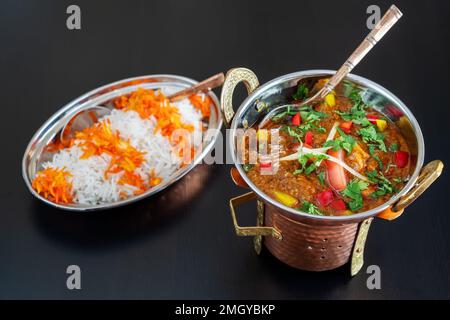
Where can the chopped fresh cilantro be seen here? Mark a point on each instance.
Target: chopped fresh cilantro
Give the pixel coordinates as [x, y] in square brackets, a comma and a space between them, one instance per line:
[355, 96]
[372, 153]
[301, 93]
[309, 163]
[247, 167]
[344, 141]
[288, 112]
[310, 126]
[393, 147]
[321, 177]
[293, 133]
[384, 185]
[357, 113]
[310, 208]
[310, 117]
[370, 135]
[353, 191]
[373, 176]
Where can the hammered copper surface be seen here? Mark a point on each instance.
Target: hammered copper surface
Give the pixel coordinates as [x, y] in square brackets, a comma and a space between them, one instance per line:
[307, 246]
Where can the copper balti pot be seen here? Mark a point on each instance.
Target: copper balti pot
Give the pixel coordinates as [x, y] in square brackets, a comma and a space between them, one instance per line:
[310, 242]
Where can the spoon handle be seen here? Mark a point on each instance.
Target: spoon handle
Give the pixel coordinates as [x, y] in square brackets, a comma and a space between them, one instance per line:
[381, 28]
[211, 82]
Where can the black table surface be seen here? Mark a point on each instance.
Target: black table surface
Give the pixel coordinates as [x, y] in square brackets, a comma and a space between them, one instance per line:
[181, 244]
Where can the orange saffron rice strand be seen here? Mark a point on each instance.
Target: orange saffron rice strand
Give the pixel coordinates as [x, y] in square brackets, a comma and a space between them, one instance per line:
[54, 184]
[146, 103]
[202, 103]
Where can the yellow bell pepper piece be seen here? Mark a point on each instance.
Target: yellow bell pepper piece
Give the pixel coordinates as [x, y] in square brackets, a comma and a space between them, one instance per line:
[381, 124]
[330, 100]
[285, 198]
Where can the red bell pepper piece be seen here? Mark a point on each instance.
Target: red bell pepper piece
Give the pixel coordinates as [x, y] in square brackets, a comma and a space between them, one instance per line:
[338, 204]
[346, 126]
[401, 158]
[372, 119]
[335, 172]
[324, 198]
[296, 119]
[309, 138]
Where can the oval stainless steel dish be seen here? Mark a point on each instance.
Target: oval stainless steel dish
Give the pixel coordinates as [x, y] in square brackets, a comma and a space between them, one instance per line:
[35, 153]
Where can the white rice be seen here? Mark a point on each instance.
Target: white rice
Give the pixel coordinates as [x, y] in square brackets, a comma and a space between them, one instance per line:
[89, 183]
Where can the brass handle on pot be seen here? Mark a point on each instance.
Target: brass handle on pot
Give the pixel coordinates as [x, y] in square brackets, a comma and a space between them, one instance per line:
[250, 231]
[428, 175]
[232, 79]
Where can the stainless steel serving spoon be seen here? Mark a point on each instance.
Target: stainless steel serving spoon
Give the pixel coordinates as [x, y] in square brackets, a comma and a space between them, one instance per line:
[381, 28]
[88, 117]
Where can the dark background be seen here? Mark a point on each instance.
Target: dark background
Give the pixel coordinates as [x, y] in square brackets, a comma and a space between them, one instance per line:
[182, 244]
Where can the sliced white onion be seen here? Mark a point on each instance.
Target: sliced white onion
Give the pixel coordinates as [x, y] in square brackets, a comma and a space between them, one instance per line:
[332, 131]
[320, 151]
[301, 150]
[293, 156]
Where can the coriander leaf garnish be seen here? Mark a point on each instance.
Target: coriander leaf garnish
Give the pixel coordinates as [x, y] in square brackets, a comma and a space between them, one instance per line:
[384, 185]
[309, 126]
[372, 176]
[314, 161]
[393, 147]
[310, 208]
[377, 158]
[332, 143]
[356, 116]
[247, 167]
[301, 93]
[344, 141]
[287, 112]
[321, 177]
[370, 135]
[353, 191]
[357, 112]
[310, 117]
[355, 96]
[293, 133]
